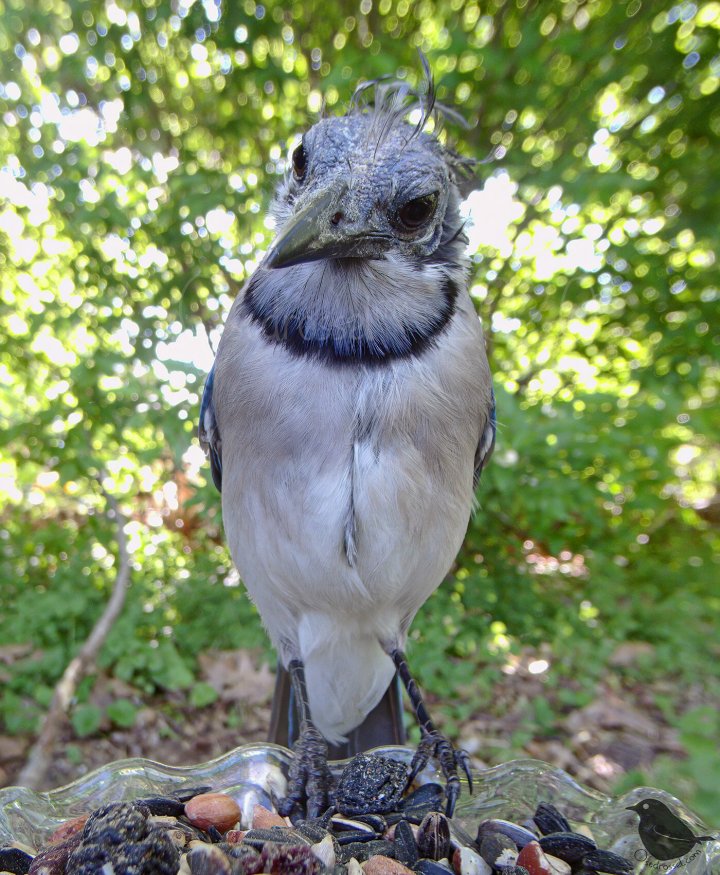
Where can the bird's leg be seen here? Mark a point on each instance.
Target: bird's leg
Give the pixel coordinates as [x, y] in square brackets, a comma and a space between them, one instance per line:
[433, 742]
[309, 779]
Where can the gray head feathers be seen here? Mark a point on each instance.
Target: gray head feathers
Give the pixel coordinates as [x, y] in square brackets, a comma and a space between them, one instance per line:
[388, 103]
[369, 256]
[386, 151]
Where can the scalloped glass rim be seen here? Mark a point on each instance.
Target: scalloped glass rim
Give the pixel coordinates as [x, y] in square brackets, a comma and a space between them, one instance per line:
[256, 772]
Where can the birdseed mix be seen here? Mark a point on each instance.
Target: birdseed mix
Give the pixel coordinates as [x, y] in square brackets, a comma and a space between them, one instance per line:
[197, 832]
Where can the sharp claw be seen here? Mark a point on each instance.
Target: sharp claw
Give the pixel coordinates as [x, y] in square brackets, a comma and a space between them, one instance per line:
[414, 772]
[463, 760]
[420, 759]
[453, 791]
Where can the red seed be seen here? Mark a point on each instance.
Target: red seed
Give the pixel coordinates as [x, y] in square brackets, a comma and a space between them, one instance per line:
[534, 860]
[213, 809]
[263, 818]
[67, 829]
[382, 865]
[52, 859]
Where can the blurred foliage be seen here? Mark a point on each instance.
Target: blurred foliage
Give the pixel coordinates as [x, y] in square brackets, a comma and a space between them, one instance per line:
[694, 778]
[140, 143]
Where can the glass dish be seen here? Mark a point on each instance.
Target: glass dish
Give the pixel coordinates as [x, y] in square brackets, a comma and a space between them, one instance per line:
[256, 773]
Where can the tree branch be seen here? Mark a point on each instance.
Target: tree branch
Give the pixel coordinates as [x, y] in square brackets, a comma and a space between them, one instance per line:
[40, 756]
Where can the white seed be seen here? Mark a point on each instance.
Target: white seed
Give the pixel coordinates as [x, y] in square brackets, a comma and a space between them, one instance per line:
[558, 866]
[325, 852]
[472, 863]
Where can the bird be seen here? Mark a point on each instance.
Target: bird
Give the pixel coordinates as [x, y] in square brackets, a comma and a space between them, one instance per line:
[662, 833]
[347, 418]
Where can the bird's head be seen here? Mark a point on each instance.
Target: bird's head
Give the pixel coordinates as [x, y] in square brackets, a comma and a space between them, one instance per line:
[648, 807]
[369, 255]
[368, 184]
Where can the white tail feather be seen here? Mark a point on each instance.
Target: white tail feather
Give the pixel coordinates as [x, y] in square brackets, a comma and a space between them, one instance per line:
[346, 670]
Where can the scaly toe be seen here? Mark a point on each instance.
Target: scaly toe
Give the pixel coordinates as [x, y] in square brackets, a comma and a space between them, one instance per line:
[309, 779]
[451, 761]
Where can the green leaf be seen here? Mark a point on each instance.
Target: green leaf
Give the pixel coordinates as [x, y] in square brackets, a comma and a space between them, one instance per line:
[74, 754]
[202, 694]
[86, 720]
[122, 712]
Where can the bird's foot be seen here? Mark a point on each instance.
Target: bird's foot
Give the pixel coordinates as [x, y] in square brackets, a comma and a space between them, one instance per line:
[309, 778]
[451, 760]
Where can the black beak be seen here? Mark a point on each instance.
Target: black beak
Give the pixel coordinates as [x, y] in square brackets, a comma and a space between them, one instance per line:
[322, 229]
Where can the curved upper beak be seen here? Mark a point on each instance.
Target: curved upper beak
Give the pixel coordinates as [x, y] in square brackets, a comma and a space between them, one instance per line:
[323, 229]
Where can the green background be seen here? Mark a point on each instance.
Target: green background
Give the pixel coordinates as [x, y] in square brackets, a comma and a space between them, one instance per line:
[140, 143]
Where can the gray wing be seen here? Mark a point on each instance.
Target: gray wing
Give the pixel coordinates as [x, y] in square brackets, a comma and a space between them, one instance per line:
[486, 444]
[208, 431]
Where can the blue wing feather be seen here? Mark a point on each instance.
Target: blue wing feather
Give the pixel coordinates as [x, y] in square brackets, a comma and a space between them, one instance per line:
[486, 444]
[209, 433]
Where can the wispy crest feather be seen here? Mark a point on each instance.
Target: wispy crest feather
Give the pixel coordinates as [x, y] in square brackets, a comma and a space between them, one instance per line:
[390, 101]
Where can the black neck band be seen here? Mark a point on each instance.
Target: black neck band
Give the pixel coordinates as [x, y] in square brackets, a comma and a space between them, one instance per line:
[345, 349]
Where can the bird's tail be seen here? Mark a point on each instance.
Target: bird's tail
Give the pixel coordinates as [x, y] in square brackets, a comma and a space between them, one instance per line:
[383, 725]
[347, 674]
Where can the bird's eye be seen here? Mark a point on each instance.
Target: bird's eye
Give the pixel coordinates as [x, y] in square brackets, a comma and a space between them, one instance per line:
[299, 162]
[417, 212]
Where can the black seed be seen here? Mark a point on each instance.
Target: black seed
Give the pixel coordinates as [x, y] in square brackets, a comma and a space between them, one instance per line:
[14, 860]
[311, 830]
[162, 806]
[498, 850]
[347, 838]
[376, 821]
[549, 819]
[362, 851]
[517, 834]
[188, 793]
[569, 846]
[433, 838]
[279, 835]
[214, 834]
[416, 815]
[406, 849]
[430, 796]
[431, 867]
[347, 824]
[606, 861]
[419, 803]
